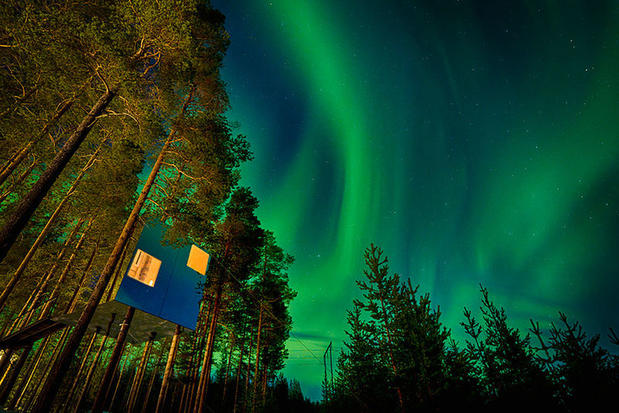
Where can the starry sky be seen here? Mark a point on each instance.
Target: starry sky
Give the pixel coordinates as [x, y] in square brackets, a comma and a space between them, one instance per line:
[474, 141]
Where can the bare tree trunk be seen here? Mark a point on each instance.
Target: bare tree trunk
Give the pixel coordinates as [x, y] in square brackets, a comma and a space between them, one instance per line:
[120, 375]
[16, 159]
[73, 301]
[196, 360]
[14, 162]
[93, 365]
[119, 268]
[23, 387]
[26, 260]
[247, 373]
[8, 383]
[5, 363]
[168, 369]
[208, 354]
[187, 390]
[54, 379]
[38, 357]
[227, 373]
[152, 380]
[181, 404]
[76, 380]
[57, 349]
[149, 389]
[24, 210]
[27, 310]
[238, 375]
[63, 275]
[18, 181]
[101, 396]
[34, 362]
[264, 385]
[139, 376]
[255, 388]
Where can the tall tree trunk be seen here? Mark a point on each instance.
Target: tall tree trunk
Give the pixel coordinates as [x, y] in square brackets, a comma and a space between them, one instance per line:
[120, 375]
[23, 387]
[8, 383]
[119, 268]
[238, 375]
[5, 363]
[29, 307]
[49, 276]
[264, 384]
[24, 210]
[187, 390]
[101, 396]
[227, 373]
[151, 382]
[14, 162]
[208, 354]
[192, 392]
[26, 260]
[73, 300]
[63, 275]
[54, 379]
[255, 388]
[57, 349]
[247, 373]
[149, 389]
[181, 404]
[137, 383]
[168, 369]
[76, 380]
[93, 365]
[136, 378]
[18, 157]
[29, 372]
[18, 181]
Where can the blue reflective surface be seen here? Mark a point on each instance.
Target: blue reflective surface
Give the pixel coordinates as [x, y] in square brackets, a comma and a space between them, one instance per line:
[174, 296]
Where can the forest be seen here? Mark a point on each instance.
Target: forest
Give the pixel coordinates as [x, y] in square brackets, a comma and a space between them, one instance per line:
[113, 117]
[399, 357]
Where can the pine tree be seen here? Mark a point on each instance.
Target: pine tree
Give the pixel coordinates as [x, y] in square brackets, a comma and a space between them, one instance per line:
[587, 374]
[364, 378]
[510, 370]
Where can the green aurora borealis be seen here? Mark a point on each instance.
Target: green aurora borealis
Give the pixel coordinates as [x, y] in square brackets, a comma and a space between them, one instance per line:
[475, 142]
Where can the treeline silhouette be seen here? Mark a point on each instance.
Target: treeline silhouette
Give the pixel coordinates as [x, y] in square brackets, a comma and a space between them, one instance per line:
[398, 357]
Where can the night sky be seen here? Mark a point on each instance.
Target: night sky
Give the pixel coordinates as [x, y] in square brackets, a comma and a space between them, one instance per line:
[474, 141]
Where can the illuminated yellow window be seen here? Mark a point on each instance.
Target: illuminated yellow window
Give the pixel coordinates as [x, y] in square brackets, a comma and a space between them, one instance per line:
[198, 260]
[144, 268]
